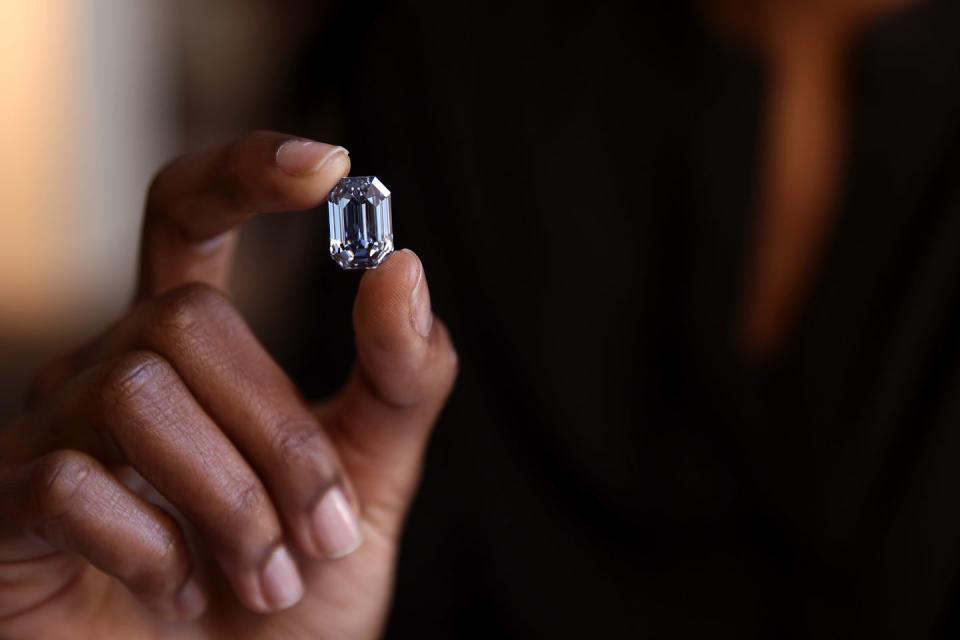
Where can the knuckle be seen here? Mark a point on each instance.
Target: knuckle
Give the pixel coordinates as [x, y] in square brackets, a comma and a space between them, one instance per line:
[133, 382]
[296, 440]
[183, 317]
[156, 572]
[58, 481]
[246, 506]
[186, 307]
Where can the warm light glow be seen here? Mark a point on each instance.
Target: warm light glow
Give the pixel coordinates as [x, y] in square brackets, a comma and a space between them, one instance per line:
[37, 188]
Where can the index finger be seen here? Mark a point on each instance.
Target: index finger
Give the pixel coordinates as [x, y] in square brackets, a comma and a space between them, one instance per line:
[196, 203]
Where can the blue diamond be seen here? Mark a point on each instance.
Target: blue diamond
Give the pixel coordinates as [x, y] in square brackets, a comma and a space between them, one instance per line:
[361, 226]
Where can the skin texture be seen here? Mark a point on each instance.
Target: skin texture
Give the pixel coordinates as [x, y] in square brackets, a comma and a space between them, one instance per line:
[168, 479]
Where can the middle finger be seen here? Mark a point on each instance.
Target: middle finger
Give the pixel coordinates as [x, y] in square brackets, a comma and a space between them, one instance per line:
[256, 405]
[136, 410]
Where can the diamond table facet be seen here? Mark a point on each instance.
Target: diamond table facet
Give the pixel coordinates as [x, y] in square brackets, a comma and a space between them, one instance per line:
[361, 224]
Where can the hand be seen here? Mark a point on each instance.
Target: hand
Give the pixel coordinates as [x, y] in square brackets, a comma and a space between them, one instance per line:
[277, 519]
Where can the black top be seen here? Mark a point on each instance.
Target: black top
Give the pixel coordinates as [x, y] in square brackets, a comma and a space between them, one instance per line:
[579, 182]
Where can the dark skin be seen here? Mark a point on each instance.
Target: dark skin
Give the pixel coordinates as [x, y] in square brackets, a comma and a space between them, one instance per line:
[180, 392]
[283, 508]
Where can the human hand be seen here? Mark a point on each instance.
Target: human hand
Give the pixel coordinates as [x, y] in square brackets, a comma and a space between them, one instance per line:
[277, 519]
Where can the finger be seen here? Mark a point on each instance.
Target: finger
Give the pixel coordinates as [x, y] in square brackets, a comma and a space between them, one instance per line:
[195, 203]
[406, 368]
[257, 406]
[67, 501]
[136, 410]
[199, 332]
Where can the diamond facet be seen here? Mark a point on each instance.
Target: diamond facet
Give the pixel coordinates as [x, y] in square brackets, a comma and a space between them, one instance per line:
[361, 226]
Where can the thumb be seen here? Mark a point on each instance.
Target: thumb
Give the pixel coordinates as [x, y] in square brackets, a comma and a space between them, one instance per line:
[405, 369]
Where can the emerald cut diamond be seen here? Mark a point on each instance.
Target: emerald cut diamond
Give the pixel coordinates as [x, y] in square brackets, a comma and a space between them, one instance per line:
[361, 226]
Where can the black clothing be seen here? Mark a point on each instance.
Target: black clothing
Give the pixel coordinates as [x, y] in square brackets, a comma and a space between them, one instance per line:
[578, 181]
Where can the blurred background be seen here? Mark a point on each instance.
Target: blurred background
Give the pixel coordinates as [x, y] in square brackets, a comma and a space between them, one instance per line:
[97, 95]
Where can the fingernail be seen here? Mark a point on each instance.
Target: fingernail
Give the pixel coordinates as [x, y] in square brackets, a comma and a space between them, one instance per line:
[303, 157]
[280, 580]
[190, 601]
[335, 526]
[421, 315]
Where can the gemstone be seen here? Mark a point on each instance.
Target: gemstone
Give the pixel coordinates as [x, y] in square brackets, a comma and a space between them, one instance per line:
[361, 226]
